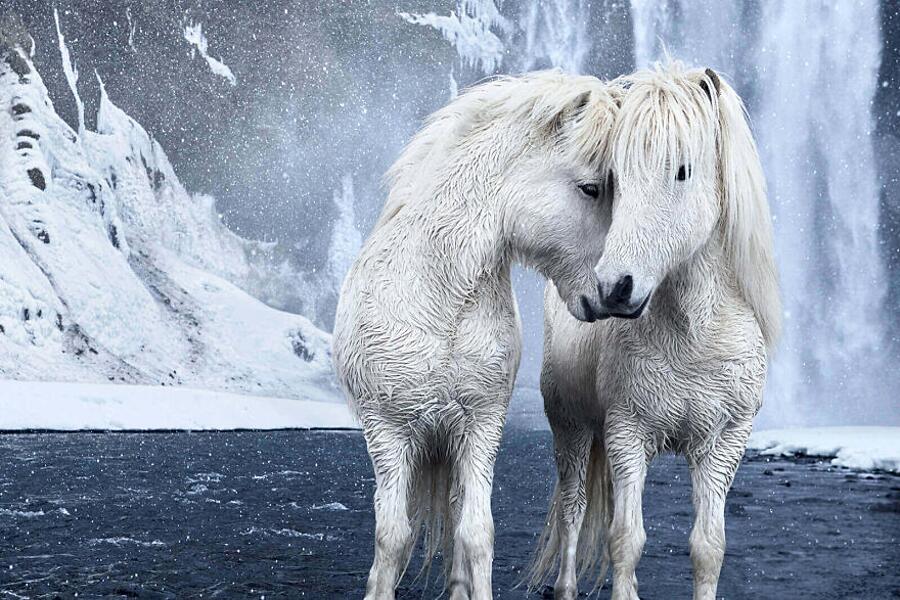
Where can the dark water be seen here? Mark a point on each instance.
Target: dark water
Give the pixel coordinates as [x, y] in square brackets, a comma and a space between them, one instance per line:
[288, 514]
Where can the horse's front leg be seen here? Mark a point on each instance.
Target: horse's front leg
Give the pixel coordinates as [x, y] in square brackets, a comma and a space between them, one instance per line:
[712, 472]
[391, 459]
[573, 448]
[474, 454]
[628, 458]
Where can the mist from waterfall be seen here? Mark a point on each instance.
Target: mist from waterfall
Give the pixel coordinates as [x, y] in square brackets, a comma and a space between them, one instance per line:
[808, 71]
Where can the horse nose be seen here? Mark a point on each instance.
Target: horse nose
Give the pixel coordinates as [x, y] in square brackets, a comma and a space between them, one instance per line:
[620, 295]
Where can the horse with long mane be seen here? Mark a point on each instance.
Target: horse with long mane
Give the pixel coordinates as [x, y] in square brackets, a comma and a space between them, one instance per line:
[687, 268]
[427, 336]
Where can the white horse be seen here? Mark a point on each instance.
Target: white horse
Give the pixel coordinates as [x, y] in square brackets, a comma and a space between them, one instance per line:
[427, 333]
[690, 249]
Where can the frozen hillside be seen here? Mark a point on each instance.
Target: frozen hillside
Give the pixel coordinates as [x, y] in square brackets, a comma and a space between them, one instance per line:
[111, 271]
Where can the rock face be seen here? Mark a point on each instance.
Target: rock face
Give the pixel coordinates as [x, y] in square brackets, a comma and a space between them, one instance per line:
[111, 271]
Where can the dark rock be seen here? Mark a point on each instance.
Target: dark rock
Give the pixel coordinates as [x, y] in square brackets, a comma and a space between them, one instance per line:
[298, 343]
[114, 236]
[18, 64]
[37, 179]
[44, 237]
[28, 133]
[20, 109]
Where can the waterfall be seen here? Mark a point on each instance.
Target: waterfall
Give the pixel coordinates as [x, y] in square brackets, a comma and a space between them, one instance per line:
[555, 34]
[808, 71]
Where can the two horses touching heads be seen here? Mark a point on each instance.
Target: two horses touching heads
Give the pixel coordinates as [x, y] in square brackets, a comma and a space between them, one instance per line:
[642, 202]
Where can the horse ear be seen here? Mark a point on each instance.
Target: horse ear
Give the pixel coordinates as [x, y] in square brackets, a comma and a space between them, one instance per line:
[580, 102]
[714, 78]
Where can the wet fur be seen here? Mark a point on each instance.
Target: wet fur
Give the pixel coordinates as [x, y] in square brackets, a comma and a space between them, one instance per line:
[688, 375]
[427, 334]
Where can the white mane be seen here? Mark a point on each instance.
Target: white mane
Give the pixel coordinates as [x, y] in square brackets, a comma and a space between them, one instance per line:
[539, 99]
[676, 116]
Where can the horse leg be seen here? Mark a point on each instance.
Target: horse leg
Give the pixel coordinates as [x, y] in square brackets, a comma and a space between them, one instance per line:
[711, 477]
[473, 543]
[573, 449]
[393, 532]
[628, 461]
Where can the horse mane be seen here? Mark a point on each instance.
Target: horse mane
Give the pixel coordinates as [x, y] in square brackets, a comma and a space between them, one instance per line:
[676, 111]
[581, 107]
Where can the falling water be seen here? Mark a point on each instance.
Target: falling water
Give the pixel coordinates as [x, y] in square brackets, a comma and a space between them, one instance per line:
[808, 71]
[556, 34]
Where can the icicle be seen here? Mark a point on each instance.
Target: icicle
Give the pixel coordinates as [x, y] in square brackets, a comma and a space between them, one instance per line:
[71, 74]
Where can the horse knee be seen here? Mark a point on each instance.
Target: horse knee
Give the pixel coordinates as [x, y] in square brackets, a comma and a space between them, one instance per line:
[707, 550]
[626, 543]
[393, 537]
[478, 541]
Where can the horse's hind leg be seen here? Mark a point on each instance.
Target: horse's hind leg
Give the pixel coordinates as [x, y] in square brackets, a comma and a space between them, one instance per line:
[572, 449]
[473, 539]
[711, 475]
[628, 460]
[392, 460]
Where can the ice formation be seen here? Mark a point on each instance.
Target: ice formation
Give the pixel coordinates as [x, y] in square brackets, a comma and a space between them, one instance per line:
[470, 30]
[193, 34]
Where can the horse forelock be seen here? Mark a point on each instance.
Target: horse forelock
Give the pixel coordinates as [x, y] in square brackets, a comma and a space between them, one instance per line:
[577, 112]
[666, 119]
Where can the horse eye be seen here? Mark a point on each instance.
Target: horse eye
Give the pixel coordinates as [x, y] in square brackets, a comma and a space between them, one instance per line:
[683, 173]
[589, 189]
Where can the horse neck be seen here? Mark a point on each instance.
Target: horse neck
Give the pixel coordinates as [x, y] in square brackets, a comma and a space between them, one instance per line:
[693, 293]
[458, 236]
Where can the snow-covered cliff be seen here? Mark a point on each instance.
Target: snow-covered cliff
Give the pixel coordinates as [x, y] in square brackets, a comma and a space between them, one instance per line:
[111, 271]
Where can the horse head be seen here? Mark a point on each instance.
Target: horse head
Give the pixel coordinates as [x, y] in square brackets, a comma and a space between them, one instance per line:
[687, 171]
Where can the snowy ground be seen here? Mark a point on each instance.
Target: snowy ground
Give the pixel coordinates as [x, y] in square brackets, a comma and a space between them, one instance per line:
[860, 448]
[77, 406]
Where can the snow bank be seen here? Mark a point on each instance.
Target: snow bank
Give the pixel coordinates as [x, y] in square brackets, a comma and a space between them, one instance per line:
[862, 448]
[74, 406]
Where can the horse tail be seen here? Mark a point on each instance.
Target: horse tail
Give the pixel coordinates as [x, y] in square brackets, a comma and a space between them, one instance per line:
[431, 516]
[593, 541]
[592, 553]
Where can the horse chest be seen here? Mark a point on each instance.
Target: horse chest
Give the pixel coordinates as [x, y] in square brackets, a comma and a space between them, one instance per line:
[680, 388]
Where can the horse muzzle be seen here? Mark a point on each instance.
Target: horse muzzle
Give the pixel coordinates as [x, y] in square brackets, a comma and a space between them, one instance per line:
[619, 300]
[588, 311]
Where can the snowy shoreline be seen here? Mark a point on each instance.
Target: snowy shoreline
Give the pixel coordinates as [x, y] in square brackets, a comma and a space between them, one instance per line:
[27, 406]
[858, 448]
[52, 406]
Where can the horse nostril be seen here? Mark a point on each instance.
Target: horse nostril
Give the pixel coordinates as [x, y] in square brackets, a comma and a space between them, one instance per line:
[621, 292]
[586, 307]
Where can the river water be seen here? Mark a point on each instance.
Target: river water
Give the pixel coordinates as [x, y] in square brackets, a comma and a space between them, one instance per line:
[289, 515]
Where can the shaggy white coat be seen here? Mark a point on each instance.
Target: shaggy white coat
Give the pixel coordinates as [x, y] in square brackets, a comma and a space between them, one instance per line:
[686, 376]
[427, 334]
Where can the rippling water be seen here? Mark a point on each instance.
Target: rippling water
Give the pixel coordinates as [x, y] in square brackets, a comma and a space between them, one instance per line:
[288, 514]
